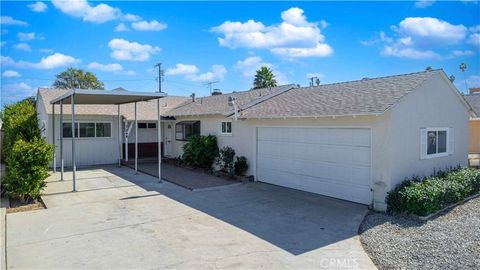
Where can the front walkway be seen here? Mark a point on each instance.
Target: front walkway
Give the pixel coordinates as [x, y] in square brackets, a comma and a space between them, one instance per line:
[121, 220]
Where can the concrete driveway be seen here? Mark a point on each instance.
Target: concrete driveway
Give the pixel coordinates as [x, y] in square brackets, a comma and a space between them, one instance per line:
[121, 220]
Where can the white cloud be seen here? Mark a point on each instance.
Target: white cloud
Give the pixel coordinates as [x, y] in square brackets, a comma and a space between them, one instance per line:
[132, 51]
[26, 36]
[22, 47]
[474, 39]
[293, 37]
[250, 65]
[107, 67]
[82, 9]
[131, 17]
[411, 53]
[10, 74]
[16, 91]
[216, 73]
[46, 50]
[428, 30]
[458, 53]
[424, 3]
[121, 27]
[7, 20]
[315, 74]
[182, 69]
[38, 6]
[149, 26]
[50, 62]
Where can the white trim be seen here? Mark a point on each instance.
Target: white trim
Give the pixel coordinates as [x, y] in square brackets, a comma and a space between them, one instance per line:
[447, 146]
[89, 138]
[142, 96]
[220, 123]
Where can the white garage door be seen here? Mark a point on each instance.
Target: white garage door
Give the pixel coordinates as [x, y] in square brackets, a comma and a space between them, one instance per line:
[329, 161]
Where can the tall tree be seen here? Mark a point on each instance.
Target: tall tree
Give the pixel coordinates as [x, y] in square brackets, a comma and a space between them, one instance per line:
[73, 78]
[264, 78]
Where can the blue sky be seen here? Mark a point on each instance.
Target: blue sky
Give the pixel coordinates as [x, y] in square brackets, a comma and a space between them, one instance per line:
[198, 42]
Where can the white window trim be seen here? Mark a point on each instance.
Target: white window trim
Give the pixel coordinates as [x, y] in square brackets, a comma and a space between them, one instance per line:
[220, 128]
[447, 152]
[148, 122]
[89, 138]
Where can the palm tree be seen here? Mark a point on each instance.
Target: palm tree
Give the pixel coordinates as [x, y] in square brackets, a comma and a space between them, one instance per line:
[264, 78]
[77, 79]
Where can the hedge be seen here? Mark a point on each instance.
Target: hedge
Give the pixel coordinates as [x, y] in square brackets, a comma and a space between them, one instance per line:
[425, 196]
[200, 151]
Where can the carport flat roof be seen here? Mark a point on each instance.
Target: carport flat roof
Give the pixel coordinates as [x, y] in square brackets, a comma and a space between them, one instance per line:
[83, 96]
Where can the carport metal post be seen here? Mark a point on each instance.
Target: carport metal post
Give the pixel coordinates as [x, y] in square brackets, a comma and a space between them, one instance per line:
[53, 140]
[61, 140]
[159, 135]
[74, 167]
[119, 138]
[136, 140]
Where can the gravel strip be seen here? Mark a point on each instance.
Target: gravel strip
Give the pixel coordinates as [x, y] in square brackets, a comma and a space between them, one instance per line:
[449, 241]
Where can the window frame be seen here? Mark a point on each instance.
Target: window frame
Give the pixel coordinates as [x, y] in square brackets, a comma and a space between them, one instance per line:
[447, 142]
[220, 127]
[77, 123]
[183, 124]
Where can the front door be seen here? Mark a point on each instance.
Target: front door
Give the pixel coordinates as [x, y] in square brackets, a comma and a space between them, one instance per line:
[168, 131]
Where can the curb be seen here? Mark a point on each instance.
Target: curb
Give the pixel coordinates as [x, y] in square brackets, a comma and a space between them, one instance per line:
[3, 244]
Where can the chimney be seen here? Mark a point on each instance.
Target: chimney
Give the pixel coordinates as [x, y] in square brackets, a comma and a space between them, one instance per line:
[193, 97]
[216, 92]
[475, 90]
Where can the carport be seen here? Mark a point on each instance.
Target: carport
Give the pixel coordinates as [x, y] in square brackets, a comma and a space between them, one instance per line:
[102, 97]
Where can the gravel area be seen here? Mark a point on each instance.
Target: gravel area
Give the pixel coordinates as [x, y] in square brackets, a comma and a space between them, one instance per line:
[449, 241]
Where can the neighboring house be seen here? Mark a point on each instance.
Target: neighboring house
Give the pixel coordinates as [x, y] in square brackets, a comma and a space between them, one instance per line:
[354, 140]
[98, 128]
[474, 100]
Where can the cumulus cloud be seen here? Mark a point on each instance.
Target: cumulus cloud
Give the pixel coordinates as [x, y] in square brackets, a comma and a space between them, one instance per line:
[459, 53]
[149, 26]
[7, 20]
[409, 53]
[424, 3]
[131, 17]
[121, 27]
[131, 51]
[82, 9]
[182, 69]
[16, 91]
[10, 74]
[294, 37]
[26, 36]
[22, 47]
[38, 6]
[216, 73]
[114, 68]
[53, 61]
[427, 31]
[249, 66]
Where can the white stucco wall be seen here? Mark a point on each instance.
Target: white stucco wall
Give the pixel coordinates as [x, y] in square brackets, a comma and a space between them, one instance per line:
[432, 105]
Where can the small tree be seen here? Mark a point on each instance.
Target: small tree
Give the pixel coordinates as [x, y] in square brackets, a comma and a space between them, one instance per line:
[264, 78]
[226, 159]
[200, 151]
[77, 79]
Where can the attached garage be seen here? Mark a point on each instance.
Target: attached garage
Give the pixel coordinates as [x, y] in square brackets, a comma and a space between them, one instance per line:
[334, 162]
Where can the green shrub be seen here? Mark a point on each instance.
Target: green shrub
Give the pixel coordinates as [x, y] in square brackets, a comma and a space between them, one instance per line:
[200, 151]
[27, 168]
[226, 159]
[240, 166]
[423, 197]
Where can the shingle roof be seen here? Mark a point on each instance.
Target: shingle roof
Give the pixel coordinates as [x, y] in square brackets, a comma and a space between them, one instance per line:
[145, 110]
[362, 97]
[474, 101]
[218, 104]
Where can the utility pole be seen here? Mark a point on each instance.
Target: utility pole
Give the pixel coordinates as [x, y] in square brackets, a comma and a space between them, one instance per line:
[160, 76]
[209, 85]
[314, 80]
[463, 67]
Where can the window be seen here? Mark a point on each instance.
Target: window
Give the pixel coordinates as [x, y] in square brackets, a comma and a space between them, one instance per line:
[142, 125]
[436, 142]
[185, 129]
[152, 125]
[88, 130]
[226, 128]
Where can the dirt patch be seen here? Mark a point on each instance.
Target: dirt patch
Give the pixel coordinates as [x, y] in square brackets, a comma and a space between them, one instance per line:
[17, 206]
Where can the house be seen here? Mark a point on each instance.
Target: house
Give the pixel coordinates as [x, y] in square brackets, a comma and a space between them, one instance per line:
[353, 140]
[474, 100]
[98, 128]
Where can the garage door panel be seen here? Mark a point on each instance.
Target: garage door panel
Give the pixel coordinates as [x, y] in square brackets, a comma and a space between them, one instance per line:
[336, 136]
[330, 161]
[355, 193]
[318, 152]
[337, 172]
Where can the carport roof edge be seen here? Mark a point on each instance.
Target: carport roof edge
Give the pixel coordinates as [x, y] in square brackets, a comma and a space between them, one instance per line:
[83, 96]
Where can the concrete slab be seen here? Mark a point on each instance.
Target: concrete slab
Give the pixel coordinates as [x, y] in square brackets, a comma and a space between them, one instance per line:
[121, 220]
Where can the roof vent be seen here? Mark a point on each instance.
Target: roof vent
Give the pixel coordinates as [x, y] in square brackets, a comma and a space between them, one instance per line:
[216, 92]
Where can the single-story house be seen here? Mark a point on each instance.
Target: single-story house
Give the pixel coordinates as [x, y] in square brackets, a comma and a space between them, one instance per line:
[474, 100]
[353, 140]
